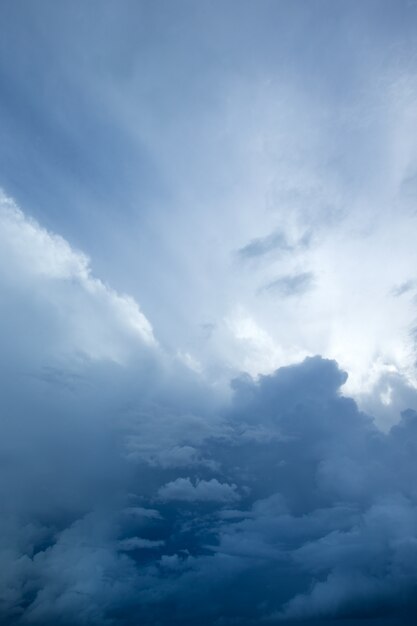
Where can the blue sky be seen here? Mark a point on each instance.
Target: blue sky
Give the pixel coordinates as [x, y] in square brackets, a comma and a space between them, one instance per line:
[208, 305]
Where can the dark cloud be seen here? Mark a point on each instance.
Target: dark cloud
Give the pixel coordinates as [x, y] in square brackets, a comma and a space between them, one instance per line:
[159, 508]
[183, 489]
[133, 491]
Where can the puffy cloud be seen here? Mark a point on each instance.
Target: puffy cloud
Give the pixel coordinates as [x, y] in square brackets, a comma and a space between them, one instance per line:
[368, 568]
[91, 318]
[136, 485]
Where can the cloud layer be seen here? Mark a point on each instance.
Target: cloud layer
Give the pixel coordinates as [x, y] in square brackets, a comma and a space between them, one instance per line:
[243, 175]
[284, 131]
[133, 491]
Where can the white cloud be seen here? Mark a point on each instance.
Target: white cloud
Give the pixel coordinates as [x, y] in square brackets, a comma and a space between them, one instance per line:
[97, 321]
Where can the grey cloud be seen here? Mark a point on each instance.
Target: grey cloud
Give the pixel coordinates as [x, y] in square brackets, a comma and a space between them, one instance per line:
[275, 242]
[139, 543]
[179, 456]
[129, 488]
[263, 245]
[368, 568]
[405, 287]
[324, 524]
[182, 489]
[291, 285]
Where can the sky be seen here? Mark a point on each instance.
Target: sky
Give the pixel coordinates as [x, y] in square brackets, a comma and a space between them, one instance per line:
[208, 303]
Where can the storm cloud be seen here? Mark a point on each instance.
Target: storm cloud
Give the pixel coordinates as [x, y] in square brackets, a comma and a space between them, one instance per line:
[133, 492]
[208, 388]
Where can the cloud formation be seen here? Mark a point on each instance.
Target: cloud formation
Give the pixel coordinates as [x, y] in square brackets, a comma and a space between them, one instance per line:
[133, 492]
[98, 321]
[260, 142]
[275, 242]
[181, 455]
[292, 285]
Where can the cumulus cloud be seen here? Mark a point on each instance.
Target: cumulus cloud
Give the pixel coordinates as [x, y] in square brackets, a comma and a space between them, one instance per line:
[136, 489]
[207, 468]
[133, 489]
[132, 485]
[98, 322]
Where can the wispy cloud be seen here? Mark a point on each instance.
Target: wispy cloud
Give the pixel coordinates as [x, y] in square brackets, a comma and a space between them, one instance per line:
[405, 287]
[292, 285]
[274, 243]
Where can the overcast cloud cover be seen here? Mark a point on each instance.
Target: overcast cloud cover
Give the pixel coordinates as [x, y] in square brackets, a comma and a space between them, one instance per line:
[208, 298]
